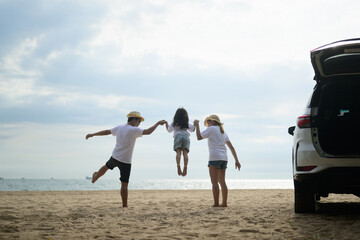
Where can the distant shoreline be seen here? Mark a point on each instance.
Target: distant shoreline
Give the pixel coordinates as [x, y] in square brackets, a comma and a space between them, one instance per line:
[114, 184]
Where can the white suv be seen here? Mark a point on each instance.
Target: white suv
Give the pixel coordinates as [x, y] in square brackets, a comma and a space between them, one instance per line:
[326, 148]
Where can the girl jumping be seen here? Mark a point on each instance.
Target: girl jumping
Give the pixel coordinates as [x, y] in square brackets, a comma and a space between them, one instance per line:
[181, 127]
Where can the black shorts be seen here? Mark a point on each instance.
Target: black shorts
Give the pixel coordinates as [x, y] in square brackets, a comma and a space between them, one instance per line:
[124, 168]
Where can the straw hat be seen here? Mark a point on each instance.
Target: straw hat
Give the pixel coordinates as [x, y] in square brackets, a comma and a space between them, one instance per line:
[136, 115]
[213, 118]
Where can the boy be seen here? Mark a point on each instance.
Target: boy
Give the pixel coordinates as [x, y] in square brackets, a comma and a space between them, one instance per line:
[122, 154]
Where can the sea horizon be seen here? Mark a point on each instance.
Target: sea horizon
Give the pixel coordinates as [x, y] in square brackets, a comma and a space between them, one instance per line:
[53, 184]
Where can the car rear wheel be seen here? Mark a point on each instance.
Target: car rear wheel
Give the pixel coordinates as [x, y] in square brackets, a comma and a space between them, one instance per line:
[304, 198]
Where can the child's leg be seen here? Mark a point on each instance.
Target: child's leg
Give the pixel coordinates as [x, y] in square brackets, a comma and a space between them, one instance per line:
[178, 155]
[224, 189]
[213, 171]
[98, 174]
[186, 160]
[124, 193]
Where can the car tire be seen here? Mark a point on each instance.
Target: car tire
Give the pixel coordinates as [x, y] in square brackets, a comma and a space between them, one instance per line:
[304, 198]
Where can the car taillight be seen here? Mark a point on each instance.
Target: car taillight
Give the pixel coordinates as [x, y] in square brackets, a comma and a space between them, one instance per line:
[306, 168]
[304, 121]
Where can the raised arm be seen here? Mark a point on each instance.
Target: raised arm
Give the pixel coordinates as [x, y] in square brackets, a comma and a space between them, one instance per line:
[232, 149]
[167, 126]
[197, 127]
[151, 129]
[101, 133]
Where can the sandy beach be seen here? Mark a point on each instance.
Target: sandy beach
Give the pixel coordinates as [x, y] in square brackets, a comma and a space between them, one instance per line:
[168, 214]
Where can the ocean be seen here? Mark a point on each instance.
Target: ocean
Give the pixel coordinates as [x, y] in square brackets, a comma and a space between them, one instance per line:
[114, 184]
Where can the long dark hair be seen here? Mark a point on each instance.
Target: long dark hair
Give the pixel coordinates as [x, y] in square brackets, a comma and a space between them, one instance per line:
[181, 118]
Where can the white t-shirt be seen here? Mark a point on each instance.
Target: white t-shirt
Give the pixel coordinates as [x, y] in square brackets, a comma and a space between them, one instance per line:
[216, 142]
[177, 130]
[125, 141]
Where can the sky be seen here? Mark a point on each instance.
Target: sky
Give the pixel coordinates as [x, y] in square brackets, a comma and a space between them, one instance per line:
[69, 68]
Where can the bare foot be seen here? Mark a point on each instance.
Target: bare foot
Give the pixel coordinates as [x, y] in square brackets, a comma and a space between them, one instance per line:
[222, 205]
[184, 171]
[179, 170]
[94, 177]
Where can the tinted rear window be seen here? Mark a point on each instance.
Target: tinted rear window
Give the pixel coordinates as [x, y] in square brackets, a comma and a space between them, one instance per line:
[347, 63]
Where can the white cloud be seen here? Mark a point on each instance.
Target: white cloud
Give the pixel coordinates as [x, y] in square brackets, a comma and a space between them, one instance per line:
[11, 63]
[21, 91]
[251, 34]
[243, 38]
[21, 86]
[98, 101]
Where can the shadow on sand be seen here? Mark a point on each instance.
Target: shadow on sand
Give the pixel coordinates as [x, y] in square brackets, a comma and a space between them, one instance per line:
[338, 208]
[332, 220]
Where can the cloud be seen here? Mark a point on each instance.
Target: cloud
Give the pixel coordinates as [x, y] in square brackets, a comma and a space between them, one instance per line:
[210, 34]
[193, 31]
[12, 62]
[23, 86]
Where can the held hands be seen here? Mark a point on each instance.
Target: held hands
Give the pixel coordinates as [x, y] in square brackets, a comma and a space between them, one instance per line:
[196, 122]
[162, 122]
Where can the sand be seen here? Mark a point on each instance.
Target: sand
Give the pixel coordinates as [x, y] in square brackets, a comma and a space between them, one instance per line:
[163, 214]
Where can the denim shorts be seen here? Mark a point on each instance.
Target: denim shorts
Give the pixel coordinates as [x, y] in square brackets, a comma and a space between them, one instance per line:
[218, 164]
[181, 141]
[125, 168]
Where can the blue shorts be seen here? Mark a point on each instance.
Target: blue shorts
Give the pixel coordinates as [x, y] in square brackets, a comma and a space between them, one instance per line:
[125, 168]
[182, 141]
[218, 164]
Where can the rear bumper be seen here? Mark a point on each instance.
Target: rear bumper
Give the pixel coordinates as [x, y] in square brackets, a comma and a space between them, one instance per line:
[332, 180]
